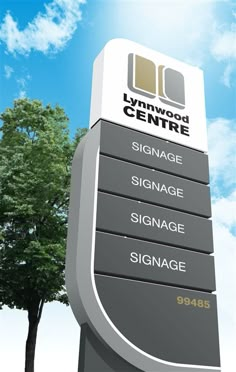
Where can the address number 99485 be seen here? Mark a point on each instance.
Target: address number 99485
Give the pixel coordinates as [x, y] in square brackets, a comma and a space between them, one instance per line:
[186, 301]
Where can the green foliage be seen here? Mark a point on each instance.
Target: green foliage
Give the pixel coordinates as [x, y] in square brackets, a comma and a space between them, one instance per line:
[35, 160]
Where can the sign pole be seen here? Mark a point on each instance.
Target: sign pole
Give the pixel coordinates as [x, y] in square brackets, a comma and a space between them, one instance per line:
[140, 269]
[95, 356]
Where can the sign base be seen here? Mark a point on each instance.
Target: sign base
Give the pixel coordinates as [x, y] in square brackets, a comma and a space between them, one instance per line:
[95, 356]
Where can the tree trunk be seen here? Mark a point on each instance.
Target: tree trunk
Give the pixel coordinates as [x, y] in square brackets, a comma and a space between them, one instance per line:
[34, 315]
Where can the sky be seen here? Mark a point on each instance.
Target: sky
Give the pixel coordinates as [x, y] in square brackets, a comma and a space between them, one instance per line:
[47, 49]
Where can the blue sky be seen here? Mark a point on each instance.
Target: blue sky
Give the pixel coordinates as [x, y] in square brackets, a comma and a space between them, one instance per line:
[61, 71]
[47, 52]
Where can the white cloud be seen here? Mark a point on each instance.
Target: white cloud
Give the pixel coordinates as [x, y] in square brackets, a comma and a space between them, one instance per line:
[224, 222]
[225, 263]
[224, 44]
[22, 94]
[182, 29]
[8, 71]
[227, 75]
[224, 211]
[222, 159]
[22, 84]
[222, 154]
[47, 32]
[223, 48]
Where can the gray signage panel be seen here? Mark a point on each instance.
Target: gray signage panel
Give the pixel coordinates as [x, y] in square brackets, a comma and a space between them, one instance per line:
[152, 152]
[174, 324]
[140, 220]
[91, 307]
[131, 258]
[144, 184]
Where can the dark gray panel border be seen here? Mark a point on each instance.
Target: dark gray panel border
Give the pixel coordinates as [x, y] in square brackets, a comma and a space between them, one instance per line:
[116, 141]
[150, 316]
[153, 186]
[132, 258]
[144, 221]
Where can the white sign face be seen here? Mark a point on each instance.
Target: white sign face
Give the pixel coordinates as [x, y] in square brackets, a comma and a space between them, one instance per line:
[147, 91]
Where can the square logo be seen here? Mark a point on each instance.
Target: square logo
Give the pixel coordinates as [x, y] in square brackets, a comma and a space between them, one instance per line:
[150, 80]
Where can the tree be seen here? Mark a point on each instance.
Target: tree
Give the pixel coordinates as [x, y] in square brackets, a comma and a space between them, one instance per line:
[35, 160]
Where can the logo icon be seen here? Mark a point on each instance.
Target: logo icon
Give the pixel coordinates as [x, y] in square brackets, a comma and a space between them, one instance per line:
[146, 79]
